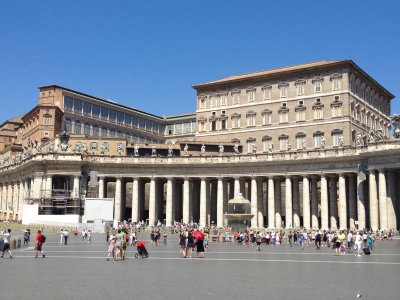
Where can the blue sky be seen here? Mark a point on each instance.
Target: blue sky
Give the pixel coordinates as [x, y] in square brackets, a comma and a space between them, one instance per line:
[148, 54]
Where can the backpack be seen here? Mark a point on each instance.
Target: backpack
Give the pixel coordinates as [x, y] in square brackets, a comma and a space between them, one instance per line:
[42, 239]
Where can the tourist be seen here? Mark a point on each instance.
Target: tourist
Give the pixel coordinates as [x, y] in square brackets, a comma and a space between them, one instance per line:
[66, 235]
[111, 247]
[258, 240]
[290, 237]
[40, 239]
[123, 242]
[118, 245]
[318, 237]
[26, 238]
[182, 244]
[350, 241]
[6, 243]
[358, 244]
[189, 244]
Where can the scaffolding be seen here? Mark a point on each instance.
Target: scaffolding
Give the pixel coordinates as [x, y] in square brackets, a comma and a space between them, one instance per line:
[60, 202]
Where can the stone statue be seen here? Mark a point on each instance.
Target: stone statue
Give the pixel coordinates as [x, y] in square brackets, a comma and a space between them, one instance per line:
[153, 150]
[78, 147]
[221, 149]
[371, 136]
[64, 139]
[38, 146]
[379, 134]
[26, 154]
[364, 139]
[304, 143]
[170, 150]
[52, 147]
[341, 141]
[103, 148]
[136, 150]
[396, 124]
[254, 148]
[185, 150]
[322, 142]
[359, 141]
[203, 149]
[236, 148]
[288, 145]
[119, 149]
[271, 146]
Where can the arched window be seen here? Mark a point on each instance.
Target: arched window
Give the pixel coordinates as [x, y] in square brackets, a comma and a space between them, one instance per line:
[68, 127]
[95, 130]
[86, 129]
[78, 127]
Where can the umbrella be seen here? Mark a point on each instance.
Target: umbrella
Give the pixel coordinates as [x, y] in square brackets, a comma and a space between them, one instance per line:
[198, 235]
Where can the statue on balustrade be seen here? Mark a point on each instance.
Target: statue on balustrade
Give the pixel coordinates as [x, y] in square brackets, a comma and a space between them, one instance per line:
[236, 148]
[136, 150]
[221, 149]
[170, 150]
[203, 150]
[153, 150]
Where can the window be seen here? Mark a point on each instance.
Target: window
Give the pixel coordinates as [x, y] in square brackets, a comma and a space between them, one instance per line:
[120, 117]
[300, 141]
[251, 119]
[202, 102]
[77, 106]
[87, 108]
[104, 113]
[267, 118]
[105, 146]
[68, 126]
[283, 143]
[235, 121]
[300, 89]
[202, 126]
[337, 137]
[47, 120]
[135, 121]
[86, 129]
[283, 117]
[318, 86]
[128, 120]
[267, 143]
[104, 132]
[223, 124]
[223, 100]
[283, 91]
[300, 116]
[251, 95]
[336, 84]
[336, 111]
[250, 145]
[213, 101]
[95, 130]
[213, 125]
[112, 115]
[68, 103]
[95, 111]
[112, 133]
[318, 113]
[267, 92]
[93, 146]
[46, 134]
[235, 98]
[318, 138]
[77, 127]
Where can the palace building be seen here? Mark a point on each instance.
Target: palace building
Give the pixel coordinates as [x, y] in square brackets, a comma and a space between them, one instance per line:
[309, 145]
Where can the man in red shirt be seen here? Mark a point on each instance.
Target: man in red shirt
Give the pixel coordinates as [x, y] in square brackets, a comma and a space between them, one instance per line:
[39, 244]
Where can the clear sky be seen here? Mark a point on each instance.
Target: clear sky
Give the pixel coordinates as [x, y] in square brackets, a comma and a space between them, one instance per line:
[148, 54]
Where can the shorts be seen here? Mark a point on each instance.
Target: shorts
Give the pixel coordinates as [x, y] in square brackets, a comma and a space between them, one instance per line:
[6, 246]
[38, 248]
[200, 246]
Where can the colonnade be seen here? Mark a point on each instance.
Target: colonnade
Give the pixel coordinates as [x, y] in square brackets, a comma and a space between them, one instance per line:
[312, 201]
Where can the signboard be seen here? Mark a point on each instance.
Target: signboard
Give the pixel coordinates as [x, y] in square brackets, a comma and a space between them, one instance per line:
[99, 208]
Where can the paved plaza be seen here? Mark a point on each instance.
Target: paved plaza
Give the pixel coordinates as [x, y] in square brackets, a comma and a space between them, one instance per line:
[80, 271]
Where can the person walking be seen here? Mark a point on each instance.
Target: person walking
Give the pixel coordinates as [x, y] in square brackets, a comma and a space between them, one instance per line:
[6, 244]
[66, 235]
[40, 239]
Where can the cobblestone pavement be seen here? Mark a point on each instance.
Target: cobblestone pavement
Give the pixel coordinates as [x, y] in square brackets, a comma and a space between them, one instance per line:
[80, 271]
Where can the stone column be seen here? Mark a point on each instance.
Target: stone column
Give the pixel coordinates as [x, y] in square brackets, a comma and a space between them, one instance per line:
[169, 212]
[76, 187]
[4, 197]
[9, 199]
[231, 190]
[101, 187]
[32, 186]
[118, 198]
[37, 187]
[186, 201]
[373, 202]
[278, 203]
[1, 201]
[15, 199]
[220, 203]
[324, 203]
[260, 206]
[306, 203]
[342, 202]
[361, 203]
[271, 202]
[21, 199]
[237, 186]
[352, 202]
[391, 201]
[383, 208]
[203, 201]
[254, 221]
[296, 202]
[135, 200]
[333, 202]
[288, 203]
[49, 186]
[314, 202]
[152, 202]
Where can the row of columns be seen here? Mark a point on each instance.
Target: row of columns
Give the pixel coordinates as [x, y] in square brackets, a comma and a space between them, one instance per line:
[327, 201]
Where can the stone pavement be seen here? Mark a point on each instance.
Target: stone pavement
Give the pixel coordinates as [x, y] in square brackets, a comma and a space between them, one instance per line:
[80, 271]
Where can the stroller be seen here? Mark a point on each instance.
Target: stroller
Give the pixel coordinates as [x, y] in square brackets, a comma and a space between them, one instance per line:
[141, 250]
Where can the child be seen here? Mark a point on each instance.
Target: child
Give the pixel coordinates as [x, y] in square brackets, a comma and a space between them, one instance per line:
[141, 248]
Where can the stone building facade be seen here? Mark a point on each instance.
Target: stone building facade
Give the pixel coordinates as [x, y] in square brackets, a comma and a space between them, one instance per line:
[308, 145]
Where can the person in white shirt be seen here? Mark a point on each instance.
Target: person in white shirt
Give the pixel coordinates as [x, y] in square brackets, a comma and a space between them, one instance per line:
[61, 236]
[358, 244]
[6, 244]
